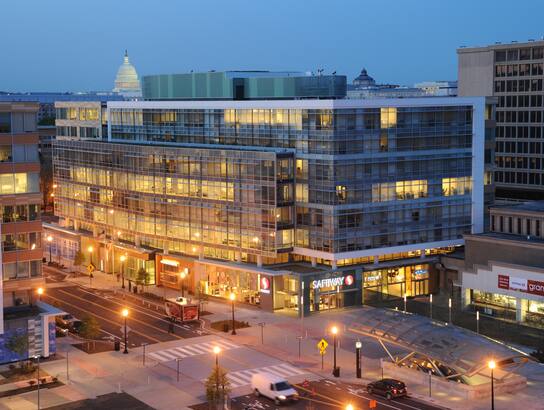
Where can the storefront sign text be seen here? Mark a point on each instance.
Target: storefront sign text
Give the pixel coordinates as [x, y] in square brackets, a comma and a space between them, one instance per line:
[347, 280]
[534, 287]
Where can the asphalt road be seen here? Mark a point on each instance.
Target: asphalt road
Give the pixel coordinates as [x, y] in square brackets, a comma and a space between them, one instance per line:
[146, 324]
[328, 394]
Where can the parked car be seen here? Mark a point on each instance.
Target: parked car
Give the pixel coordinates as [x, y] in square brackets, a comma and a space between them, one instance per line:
[61, 331]
[389, 388]
[274, 387]
[65, 321]
[76, 326]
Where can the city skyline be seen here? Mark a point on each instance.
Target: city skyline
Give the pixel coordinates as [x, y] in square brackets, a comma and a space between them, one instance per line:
[81, 51]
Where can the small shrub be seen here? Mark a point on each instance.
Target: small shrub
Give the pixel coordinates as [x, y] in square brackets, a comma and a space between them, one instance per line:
[32, 382]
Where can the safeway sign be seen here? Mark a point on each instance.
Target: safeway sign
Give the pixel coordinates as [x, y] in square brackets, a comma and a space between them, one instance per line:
[533, 287]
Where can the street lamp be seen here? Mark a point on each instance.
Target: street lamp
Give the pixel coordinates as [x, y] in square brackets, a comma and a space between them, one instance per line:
[405, 303]
[358, 346]
[334, 331]
[37, 357]
[183, 275]
[232, 297]
[49, 239]
[39, 291]
[449, 310]
[216, 351]
[123, 258]
[349, 407]
[491, 364]
[90, 249]
[125, 314]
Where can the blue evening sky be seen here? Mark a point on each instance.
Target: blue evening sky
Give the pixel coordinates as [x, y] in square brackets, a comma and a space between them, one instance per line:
[71, 45]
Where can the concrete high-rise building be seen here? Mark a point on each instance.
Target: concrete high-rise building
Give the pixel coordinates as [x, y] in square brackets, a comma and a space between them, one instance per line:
[274, 187]
[21, 229]
[514, 73]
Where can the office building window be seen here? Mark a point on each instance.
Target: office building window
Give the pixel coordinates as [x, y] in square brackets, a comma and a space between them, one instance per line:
[456, 186]
[19, 183]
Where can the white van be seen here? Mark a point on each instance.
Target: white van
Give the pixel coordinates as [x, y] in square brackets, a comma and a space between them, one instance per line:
[274, 387]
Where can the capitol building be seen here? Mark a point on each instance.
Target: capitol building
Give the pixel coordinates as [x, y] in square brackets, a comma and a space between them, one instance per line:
[127, 83]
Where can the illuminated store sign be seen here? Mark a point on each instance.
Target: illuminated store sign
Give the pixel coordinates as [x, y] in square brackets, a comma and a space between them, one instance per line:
[533, 287]
[265, 285]
[347, 280]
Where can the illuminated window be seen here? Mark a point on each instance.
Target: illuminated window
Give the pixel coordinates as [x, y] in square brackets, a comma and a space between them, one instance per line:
[456, 186]
[400, 190]
[388, 117]
[488, 178]
[341, 193]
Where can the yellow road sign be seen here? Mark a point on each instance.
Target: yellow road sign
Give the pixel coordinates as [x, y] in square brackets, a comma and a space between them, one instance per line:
[90, 268]
[322, 346]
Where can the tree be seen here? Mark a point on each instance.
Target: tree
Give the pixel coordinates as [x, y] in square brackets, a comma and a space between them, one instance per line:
[18, 344]
[141, 277]
[217, 387]
[90, 328]
[79, 258]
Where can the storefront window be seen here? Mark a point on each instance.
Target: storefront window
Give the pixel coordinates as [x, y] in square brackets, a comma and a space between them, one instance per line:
[396, 282]
[504, 301]
[333, 291]
[221, 282]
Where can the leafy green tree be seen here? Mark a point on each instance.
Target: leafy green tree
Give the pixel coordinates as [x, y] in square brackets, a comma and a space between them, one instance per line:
[217, 387]
[90, 328]
[18, 344]
[141, 277]
[79, 258]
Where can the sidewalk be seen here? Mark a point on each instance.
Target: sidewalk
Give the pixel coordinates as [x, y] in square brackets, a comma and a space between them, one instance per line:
[281, 334]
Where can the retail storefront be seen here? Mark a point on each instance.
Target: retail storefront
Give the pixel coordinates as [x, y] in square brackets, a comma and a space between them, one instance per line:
[506, 291]
[334, 290]
[398, 281]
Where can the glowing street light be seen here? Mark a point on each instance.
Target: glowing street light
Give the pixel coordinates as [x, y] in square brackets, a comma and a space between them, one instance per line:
[491, 364]
[49, 240]
[334, 331]
[183, 274]
[123, 258]
[90, 249]
[232, 298]
[124, 313]
[349, 407]
[216, 351]
[39, 291]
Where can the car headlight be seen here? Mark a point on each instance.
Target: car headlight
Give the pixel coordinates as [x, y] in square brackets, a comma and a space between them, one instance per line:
[282, 397]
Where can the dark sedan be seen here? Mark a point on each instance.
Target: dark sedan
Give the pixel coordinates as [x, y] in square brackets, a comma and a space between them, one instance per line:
[389, 388]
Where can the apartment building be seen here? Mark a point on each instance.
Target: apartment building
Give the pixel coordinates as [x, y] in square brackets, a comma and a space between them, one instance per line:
[21, 229]
[317, 201]
[514, 73]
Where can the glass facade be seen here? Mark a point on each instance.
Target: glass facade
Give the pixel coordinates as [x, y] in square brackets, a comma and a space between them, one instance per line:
[412, 280]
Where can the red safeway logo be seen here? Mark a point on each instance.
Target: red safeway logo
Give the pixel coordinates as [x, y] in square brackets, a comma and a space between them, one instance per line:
[348, 280]
[265, 283]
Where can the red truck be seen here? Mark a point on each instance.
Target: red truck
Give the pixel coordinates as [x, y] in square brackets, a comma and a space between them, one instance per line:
[181, 310]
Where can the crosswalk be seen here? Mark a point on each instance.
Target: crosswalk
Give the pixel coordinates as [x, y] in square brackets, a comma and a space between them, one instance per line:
[181, 352]
[243, 377]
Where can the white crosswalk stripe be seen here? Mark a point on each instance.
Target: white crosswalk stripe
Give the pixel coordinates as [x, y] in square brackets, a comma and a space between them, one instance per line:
[181, 352]
[243, 377]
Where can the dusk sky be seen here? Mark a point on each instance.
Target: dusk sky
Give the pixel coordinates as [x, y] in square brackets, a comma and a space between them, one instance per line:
[75, 46]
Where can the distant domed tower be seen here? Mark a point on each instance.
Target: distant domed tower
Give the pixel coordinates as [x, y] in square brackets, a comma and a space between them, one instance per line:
[364, 80]
[126, 82]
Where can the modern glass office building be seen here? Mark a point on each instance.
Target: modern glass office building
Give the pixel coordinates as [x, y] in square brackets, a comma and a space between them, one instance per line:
[296, 202]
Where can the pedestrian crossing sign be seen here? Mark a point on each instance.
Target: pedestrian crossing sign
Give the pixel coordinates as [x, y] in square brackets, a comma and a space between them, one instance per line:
[90, 268]
[322, 346]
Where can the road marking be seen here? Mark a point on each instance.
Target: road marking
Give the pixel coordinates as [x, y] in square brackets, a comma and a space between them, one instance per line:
[180, 352]
[243, 377]
[103, 318]
[354, 392]
[117, 312]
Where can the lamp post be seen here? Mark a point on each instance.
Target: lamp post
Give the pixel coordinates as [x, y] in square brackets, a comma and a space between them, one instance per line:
[232, 297]
[491, 364]
[449, 311]
[90, 249]
[349, 407]
[431, 306]
[358, 346]
[39, 291]
[216, 350]
[183, 275]
[125, 314]
[334, 331]
[405, 303]
[37, 357]
[478, 322]
[49, 240]
[123, 258]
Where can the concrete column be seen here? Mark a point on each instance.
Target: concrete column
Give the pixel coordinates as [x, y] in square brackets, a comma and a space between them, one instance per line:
[376, 260]
[465, 298]
[333, 264]
[136, 240]
[259, 261]
[76, 225]
[314, 261]
[521, 309]
[165, 249]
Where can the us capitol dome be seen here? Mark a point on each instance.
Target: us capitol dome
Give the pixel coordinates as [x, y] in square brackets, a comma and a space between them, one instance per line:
[126, 82]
